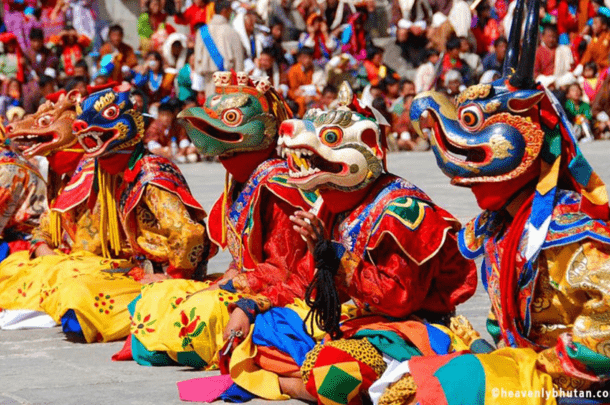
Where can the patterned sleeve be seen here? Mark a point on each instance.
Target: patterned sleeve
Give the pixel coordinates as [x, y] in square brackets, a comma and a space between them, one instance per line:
[170, 233]
[581, 356]
[284, 267]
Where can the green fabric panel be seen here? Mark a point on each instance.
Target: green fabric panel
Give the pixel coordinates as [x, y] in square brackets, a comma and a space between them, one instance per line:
[337, 385]
[463, 381]
[389, 343]
[494, 330]
[594, 361]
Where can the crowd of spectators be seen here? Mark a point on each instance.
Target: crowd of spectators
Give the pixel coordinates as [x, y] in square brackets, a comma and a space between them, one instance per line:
[306, 48]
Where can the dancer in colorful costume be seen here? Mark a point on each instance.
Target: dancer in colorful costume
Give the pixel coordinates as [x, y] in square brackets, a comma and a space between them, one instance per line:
[46, 133]
[140, 214]
[544, 236]
[22, 198]
[386, 245]
[270, 265]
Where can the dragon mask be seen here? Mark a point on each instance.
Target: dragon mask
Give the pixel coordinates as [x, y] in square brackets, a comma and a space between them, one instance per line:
[47, 131]
[341, 149]
[242, 116]
[107, 122]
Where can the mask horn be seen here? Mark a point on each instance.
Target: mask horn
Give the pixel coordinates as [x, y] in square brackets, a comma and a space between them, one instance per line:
[514, 40]
[524, 77]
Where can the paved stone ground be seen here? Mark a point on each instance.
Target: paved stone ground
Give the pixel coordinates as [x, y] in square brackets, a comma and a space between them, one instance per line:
[42, 367]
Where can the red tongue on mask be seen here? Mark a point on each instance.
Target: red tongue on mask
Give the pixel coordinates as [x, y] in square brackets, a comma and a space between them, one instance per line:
[90, 142]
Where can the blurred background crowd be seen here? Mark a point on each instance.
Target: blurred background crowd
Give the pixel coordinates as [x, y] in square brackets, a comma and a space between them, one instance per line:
[388, 50]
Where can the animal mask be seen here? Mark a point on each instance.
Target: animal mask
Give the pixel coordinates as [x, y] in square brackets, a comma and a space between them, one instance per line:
[340, 149]
[239, 117]
[107, 122]
[47, 131]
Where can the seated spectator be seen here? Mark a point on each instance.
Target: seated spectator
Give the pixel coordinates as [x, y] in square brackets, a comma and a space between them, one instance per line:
[407, 89]
[600, 108]
[151, 78]
[453, 84]
[354, 38]
[552, 60]
[123, 55]
[301, 85]
[579, 112]
[166, 138]
[318, 38]
[486, 30]
[598, 49]
[591, 82]
[472, 59]
[12, 63]
[390, 87]
[150, 21]
[337, 13]
[495, 60]
[403, 134]
[274, 41]
[79, 83]
[572, 17]
[328, 98]
[174, 53]
[291, 20]
[426, 73]
[452, 61]
[140, 102]
[38, 56]
[266, 67]
[373, 68]
[71, 48]
[411, 20]
[200, 12]
[82, 69]
[185, 78]
[12, 96]
[342, 68]
[244, 24]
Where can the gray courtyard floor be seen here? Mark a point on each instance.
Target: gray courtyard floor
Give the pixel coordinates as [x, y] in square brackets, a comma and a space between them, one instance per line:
[42, 367]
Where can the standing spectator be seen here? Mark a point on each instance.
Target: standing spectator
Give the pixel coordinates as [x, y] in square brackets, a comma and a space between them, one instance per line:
[426, 73]
[151, 79]
[318, 38]
[124, 57]
[200, 12]
[599, 48]
[12, 61]
[300, 80]
[38, 56]
[71, 48]
[218, 46]
[354, 38]
[495, 60]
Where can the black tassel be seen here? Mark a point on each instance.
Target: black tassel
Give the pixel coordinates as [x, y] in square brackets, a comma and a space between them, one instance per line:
[326, 306]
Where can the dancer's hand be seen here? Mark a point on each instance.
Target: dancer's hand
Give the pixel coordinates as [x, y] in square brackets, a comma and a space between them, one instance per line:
[151, 278]
[44, 250]
[238, 321]
[311, 228]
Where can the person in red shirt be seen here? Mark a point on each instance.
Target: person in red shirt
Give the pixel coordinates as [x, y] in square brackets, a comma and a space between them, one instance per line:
[198, 13]
[545, 55]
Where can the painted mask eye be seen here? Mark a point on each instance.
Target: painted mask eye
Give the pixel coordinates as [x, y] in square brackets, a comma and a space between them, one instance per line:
[110, 112]
[44, 121]
[331, 136]
[471, 117]
[232, 117]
